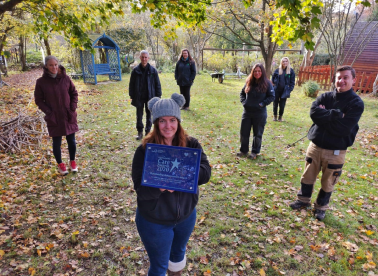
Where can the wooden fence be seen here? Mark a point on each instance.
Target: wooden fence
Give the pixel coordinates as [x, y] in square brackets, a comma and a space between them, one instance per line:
[321, 74]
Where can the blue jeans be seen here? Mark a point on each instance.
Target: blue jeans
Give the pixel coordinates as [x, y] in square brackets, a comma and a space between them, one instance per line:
[165, 244]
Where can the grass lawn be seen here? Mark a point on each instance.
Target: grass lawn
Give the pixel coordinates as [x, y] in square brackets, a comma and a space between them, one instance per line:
[83, 224]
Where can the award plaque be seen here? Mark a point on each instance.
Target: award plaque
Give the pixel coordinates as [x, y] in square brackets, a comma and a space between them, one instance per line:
[171, 168]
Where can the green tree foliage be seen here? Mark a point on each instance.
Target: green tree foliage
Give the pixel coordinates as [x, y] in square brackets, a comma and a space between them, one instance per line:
[127, 38]
[249, 26]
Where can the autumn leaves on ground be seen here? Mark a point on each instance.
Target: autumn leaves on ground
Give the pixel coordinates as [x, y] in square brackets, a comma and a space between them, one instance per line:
[83, 224]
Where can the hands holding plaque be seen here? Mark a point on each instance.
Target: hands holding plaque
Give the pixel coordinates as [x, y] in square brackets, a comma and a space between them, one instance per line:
[171, 168]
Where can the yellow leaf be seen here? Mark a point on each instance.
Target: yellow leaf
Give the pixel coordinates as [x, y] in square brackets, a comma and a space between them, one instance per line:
[262, 272]
[2, 253]
[84, 255]
[151, 6]
[31, 271]
[369, 265]
[369, 256]
[75, 233]
[369, 232]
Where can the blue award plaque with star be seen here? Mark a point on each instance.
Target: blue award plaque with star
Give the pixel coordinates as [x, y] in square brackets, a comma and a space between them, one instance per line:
[171, 168]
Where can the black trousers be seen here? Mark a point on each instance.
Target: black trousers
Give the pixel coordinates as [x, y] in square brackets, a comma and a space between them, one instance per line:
[139, 115]
[57, 143]
[256, 122]
[278, 101]
[185, 91]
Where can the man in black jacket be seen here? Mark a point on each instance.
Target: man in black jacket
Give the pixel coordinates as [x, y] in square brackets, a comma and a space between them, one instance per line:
[144, 85]
[335, 116]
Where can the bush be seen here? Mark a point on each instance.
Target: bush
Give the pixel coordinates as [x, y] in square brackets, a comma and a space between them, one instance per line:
[34, 57]
[311, 88]
[321, 59]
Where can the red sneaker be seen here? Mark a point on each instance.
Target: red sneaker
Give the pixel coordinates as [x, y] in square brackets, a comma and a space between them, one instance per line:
[62, 169]
[73, 166]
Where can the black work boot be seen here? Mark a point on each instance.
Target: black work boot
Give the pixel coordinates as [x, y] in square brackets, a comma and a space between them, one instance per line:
[280, 118]
[274, 117]
[139, 136]
[298, 205]
[319, 214]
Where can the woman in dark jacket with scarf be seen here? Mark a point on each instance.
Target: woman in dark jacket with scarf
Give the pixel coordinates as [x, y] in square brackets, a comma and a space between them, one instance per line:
[283, 80]
[56, 96]
[165, 219]
[184, 75]
[256, 94]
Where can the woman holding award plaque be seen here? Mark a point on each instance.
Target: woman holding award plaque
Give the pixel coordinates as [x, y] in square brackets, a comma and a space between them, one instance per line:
[165, 219]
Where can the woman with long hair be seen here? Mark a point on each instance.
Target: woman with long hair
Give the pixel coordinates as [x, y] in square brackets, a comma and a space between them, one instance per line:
[56, 96]
[256, 94]
[165, 219]
[283, 80]
[185, 74]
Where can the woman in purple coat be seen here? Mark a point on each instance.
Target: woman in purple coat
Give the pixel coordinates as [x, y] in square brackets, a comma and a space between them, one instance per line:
[56, 96]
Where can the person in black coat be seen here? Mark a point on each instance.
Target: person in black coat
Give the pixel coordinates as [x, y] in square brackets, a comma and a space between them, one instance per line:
[184, 75]
[283, 80]
[144, 85]
[256, 94]
[335, 117]
[165, 218]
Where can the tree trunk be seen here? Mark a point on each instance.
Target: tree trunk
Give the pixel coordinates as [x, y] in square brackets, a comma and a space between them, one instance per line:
[47, 46]
[309, 56]
[23, 53]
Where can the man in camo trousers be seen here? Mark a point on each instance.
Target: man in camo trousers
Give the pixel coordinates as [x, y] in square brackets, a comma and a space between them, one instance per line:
[335, 117]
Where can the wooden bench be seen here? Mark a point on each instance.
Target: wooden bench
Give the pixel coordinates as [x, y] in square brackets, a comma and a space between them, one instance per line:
[104, 69]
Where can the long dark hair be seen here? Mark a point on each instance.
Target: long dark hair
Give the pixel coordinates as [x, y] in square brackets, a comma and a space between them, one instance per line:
[262, 82]
[155, 137]
[191, 60]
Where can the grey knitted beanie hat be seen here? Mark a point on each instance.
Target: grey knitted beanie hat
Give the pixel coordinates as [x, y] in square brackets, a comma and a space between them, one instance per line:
[166, 107]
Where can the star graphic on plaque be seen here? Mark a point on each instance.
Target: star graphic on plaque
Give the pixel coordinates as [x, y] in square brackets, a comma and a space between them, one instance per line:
[174, 164]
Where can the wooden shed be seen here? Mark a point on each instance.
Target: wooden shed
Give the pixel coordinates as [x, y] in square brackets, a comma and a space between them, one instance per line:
[364, 40]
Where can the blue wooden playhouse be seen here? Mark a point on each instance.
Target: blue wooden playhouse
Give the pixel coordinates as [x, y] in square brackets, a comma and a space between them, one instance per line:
[112, 67]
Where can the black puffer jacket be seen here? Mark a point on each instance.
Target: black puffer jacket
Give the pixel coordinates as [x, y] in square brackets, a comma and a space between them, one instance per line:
[153, 85]
[185, 72]
[165, 207]
[288, 85]
[330, 129]
[251, 100]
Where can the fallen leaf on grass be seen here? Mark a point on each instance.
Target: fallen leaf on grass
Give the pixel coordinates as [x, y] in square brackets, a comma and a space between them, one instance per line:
[351, 261]
[204, 260]
[331, 251]
[299, 258]
[201, 220]
[84, 255]
[207, 272]
[350, 246]
[369, 256]
[142, 272]
[31, 271]
[369, 265]
[262, 272]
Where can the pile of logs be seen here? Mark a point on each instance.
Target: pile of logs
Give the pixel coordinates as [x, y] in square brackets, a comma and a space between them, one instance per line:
[22, 131]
